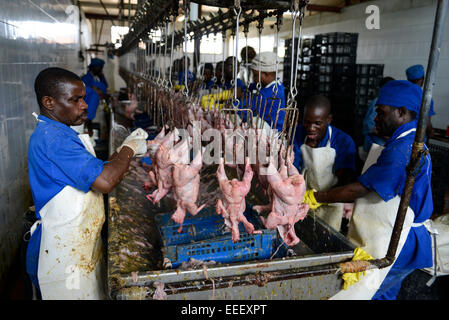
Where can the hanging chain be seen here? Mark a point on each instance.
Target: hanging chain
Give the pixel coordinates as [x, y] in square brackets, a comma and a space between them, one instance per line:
[222, 64]
[233, 42]
[260, 28]
[185, 90]
[298, 50]
[245, 31]
[290, 94]
[171, 52]
[278, 27]
[237, 7]
[165, 81]
[152, 64]
[215, 69]
[159, 60]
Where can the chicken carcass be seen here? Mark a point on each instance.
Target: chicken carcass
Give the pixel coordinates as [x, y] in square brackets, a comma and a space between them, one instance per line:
[288, 189]
[131, 108]
[186, 183]
[166, 156]
[153, 146]
[233, 204]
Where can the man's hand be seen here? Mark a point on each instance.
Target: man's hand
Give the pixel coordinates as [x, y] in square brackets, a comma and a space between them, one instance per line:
[136, 141]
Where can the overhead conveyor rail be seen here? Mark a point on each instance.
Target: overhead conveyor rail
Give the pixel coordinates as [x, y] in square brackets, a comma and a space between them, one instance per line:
[154, 15]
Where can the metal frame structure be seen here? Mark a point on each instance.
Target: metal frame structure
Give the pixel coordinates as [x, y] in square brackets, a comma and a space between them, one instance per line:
[149, 16]
[328, 266]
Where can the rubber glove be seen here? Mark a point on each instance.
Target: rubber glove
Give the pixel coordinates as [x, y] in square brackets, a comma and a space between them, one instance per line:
[309, 198]
[352, 277]
[208, 100]
[137, 141]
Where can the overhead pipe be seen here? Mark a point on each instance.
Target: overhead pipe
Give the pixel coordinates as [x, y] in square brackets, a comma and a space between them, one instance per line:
[417, 150]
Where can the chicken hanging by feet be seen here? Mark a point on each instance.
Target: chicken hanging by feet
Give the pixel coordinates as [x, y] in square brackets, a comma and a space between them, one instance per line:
[153, 146]
[233, 204]
[287, 189]
[186, 184]
[166, 156]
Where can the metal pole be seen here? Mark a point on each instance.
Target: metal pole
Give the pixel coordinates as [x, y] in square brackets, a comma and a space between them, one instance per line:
[418, 144]
[417, 149]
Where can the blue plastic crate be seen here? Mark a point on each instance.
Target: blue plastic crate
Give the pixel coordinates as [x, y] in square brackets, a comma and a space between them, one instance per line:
[223, 250]
[146, 160]
[204, 238]
[206, 224]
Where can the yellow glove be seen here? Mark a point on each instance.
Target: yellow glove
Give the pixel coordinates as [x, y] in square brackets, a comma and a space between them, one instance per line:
[225, 95]
[208, 100]
[179, 87]
[352, 277]
[309, 198]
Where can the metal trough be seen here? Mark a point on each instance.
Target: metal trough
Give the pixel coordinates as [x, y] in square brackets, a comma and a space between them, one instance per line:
[135, 259]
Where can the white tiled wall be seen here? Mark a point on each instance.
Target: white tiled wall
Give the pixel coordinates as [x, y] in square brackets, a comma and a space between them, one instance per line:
[34, 34]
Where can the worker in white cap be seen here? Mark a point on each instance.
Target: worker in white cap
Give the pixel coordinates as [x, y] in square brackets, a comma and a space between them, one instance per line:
[271, 95]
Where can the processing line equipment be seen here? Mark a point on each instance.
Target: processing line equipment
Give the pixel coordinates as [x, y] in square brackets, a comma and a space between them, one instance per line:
[143, 245]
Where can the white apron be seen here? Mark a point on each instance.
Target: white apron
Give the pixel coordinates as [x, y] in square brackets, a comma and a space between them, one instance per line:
[370, 228]
[71, 264]
[317, 172]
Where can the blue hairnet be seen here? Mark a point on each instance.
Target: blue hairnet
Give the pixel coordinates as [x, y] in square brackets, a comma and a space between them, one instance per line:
[415, 72]
[96, 62]
[401, 93]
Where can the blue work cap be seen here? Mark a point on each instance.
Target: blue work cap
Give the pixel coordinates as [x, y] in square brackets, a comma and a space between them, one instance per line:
[400, 93]
[96, 62]
[415, 72]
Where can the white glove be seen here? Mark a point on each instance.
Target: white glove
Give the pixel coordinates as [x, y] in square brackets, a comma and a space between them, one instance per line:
[137, 142]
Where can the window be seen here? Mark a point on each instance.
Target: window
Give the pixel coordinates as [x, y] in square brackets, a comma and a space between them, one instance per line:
[117, 33]
[209, 45]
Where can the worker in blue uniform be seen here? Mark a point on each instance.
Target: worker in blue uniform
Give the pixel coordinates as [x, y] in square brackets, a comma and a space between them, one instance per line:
[325, 155]
[92, 100]
[271, 97]
[377, 195]
[228, 76]
[208, 74]
[415, 74]
[95, 79]
[181, 74]
[64, 256]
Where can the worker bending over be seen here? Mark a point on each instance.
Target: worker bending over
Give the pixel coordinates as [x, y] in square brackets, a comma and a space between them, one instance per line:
[325, 155]
[377, 195]
[64, 256]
